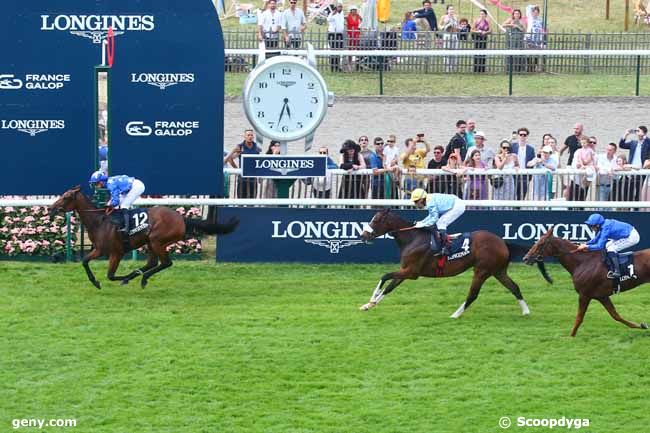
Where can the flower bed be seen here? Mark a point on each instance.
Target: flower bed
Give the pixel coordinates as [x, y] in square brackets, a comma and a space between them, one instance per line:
[29, 231]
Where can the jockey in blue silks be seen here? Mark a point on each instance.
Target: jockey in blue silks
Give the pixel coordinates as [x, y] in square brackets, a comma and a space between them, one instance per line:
[613, 236]
[124, 191]
[443, 210]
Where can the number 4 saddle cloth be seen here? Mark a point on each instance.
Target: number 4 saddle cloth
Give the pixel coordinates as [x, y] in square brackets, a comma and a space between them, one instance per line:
[460, 244]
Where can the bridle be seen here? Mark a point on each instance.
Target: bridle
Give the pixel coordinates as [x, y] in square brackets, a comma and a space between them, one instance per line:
[540, 255]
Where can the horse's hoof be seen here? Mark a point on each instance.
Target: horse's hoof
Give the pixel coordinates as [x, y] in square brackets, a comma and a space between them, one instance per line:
[97, 285]
[143, 283]
[368, 306]
[644, 325]
[124, 282]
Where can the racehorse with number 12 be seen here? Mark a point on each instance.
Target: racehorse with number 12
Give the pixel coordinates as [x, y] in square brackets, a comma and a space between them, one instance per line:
[166, 226]
[489, 256]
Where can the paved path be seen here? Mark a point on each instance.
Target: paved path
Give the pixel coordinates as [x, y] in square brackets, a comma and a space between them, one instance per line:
[605, 118]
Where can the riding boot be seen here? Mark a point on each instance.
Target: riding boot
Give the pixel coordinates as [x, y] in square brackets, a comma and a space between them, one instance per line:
[613, 274]
[127, 221]
[443, 241]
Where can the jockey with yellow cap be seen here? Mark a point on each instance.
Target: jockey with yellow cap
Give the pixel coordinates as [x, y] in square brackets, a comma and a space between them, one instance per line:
[443, 210]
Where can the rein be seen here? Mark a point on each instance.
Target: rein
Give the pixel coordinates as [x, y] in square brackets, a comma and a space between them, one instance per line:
[403, 229]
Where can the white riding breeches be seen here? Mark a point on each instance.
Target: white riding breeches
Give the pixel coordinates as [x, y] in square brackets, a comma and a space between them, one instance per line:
[621, 244]
[451, 215]
[136, 191]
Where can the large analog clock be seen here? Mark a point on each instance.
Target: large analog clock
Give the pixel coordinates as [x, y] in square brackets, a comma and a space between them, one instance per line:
[285, 98]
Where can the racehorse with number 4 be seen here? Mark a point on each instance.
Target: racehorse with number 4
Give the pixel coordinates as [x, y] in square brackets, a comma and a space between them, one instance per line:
[488, 254]
[165, 227]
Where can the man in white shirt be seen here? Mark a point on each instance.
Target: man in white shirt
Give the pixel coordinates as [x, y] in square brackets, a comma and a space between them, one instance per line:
[487, 154]
[335, 29]
[293, 25]
[605, 162]
[269, 25]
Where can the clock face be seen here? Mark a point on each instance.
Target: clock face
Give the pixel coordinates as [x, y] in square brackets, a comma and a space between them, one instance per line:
[285, 100]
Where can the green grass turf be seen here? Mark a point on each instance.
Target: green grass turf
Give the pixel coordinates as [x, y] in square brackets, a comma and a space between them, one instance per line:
[283, 348]
[404, 84]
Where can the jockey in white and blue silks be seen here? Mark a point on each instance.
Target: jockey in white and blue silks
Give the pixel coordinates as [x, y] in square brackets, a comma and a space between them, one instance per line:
[611, 235]
[124, 191]
[443, 210]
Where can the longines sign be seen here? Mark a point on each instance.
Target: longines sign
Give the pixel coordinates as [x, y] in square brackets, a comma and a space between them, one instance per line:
[283, 166]
[334, 235]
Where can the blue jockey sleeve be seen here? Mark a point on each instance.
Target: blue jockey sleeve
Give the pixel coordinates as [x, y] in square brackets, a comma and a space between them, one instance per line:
[600, 240]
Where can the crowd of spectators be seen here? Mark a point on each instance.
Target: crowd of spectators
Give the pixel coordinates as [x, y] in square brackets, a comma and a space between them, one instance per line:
[393, 171]
[345, 24]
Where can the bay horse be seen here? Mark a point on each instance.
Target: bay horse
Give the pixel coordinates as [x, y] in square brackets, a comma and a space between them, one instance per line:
[489, 256]
[166, 226]
[589, 274]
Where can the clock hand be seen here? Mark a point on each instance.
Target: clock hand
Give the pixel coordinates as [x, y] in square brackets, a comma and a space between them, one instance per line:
[282, 113]
[286, 102]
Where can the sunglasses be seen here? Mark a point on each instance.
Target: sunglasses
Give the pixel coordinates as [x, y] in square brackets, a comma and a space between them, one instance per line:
[390, 141]
[323, 153]
[523, 134]
[592, 142]
[379, 144]
[505, 147]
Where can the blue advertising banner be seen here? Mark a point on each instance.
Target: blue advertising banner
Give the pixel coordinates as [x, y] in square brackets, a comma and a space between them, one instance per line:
[46, 103]
[283, 166]
[333, 235]
[166, 93]
[165, 101]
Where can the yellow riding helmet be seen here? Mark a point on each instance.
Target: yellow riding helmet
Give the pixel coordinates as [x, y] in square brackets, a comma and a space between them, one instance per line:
[418, 194]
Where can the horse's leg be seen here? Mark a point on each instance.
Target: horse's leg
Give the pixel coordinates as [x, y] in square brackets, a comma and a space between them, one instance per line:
[583, 303]
[165, 262]
[474, 288]
[378, 293]
[152, 261]
[609, 306]
[505, 279]
[113, 263]
[92, 255]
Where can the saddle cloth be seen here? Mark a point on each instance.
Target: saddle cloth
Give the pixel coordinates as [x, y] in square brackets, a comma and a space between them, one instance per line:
[460, 244]
[626, 265]
[139, 219]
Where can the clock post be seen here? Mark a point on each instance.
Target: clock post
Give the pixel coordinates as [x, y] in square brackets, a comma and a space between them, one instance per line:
[285, 99]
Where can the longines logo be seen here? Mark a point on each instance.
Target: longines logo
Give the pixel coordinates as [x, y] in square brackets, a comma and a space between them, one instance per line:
[530, 231]
[162, 80]
[332, 235]
[33, 81]
[31, 127]
[284, 166]
[95, 27]
[138, 128]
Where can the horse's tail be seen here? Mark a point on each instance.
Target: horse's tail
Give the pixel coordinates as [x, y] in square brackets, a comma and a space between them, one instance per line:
[516, 250]
[519, 251]
[194, 225]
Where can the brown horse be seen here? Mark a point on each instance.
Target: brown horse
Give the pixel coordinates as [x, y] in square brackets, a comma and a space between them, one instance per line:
[589, 274]
[489, 256]
[166, 226]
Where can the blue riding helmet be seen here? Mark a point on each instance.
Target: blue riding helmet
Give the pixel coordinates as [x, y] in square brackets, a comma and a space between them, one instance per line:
[98, 176]
[595, 219]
